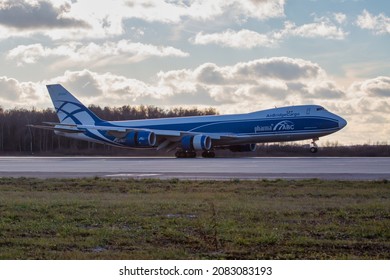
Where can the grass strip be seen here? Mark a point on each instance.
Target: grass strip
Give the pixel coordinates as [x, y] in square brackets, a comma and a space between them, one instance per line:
[97, 218]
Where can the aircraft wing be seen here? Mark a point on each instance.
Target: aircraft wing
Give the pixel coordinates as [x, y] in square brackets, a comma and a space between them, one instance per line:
[123, 131]
[120, 132]
[167, 139]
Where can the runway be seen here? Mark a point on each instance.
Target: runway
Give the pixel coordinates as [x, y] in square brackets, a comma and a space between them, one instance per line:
[199, 168]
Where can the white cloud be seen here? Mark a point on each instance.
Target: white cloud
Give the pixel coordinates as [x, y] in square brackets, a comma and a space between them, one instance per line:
[251, 83]
[247, 39]
[283, 68]
[123, 51]
[379, 24]
[25, 18]
[203, 10]
[18, 94]
[327, 90]
[376, 87]
[255, 84]
[27, 54]
[340, 18]
[322, 28]
[367, 109]
[10, 89]
[66, 19]
[108, 88]
[27, 15]
[243, 39]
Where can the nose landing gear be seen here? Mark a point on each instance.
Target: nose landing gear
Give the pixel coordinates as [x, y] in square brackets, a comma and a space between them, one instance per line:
[313, 146]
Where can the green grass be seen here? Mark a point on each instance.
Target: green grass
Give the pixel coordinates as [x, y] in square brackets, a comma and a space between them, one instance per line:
[171, 219]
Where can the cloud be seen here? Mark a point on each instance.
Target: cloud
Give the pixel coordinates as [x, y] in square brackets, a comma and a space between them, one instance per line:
[61, 19]
[10, 89]
[108, 88]
[38, 15]
[271, 73]
[66, 19]
[250, 85]
[326, 90]
[211, 74]
[105, 89]
[253, 84]
[340, 18]
[379, 24]
[367, 109]
[14, 93]
[377, 87]
[263, 9]
[243, 39]
[247, 39]
[283, 68]
[29, 54]
[323, 28]
[203, 10]
[123, 51]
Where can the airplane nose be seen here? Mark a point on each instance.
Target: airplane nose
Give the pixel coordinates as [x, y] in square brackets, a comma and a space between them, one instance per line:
[342, 123]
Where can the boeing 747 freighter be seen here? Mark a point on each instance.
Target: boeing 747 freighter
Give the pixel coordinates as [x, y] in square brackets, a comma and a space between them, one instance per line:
[189, 135]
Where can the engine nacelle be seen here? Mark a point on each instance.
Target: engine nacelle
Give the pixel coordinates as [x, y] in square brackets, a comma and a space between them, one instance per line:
[139, 139]
[243, 148]
[197, 142]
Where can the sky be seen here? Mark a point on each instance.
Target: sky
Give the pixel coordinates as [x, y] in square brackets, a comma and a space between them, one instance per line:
[237, 56]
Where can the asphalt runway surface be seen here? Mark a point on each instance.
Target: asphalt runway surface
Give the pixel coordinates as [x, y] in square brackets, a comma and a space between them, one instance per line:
[199, 168]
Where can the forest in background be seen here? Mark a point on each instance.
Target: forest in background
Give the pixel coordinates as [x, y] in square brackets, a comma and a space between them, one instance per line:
[17, 138]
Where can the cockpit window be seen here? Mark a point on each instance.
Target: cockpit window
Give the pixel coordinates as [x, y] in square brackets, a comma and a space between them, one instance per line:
[320, 109]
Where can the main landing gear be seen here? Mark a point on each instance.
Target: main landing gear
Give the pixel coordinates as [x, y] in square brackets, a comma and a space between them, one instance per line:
[313, 146]
[208, 154]
[185, 154]
[192, 154]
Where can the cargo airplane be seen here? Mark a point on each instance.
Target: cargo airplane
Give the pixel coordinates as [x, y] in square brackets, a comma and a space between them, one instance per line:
[189, 135]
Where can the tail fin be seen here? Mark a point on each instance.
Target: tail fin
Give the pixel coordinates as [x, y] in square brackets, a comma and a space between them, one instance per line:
[69, 109]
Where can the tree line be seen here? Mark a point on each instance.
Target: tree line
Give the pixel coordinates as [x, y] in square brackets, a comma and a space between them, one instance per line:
[17, 137]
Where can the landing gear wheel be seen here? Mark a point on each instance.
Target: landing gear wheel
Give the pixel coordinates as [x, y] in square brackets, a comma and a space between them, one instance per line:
[191, 154]
[179, 154]
[313, 150]
[208, 154]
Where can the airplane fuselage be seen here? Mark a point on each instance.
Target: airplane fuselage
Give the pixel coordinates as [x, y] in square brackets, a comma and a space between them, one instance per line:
[291, 123]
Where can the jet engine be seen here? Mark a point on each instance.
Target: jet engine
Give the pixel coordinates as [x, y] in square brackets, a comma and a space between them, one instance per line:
[243, 148]
[196, 142]
[139, 139]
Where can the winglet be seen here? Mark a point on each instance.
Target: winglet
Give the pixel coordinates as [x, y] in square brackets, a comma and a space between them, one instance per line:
[69, 109]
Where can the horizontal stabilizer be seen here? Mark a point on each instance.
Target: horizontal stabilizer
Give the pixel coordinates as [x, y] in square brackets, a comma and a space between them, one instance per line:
[62, 124]
[56, 128]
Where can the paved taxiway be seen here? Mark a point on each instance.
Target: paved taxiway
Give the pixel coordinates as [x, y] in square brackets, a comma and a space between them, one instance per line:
[199, 168]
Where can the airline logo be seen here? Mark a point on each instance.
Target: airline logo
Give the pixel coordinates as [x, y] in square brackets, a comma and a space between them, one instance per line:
[280, 126]
[284, 125]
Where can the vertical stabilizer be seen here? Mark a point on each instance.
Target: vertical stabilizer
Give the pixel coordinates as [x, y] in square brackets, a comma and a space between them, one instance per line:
[69, 109]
